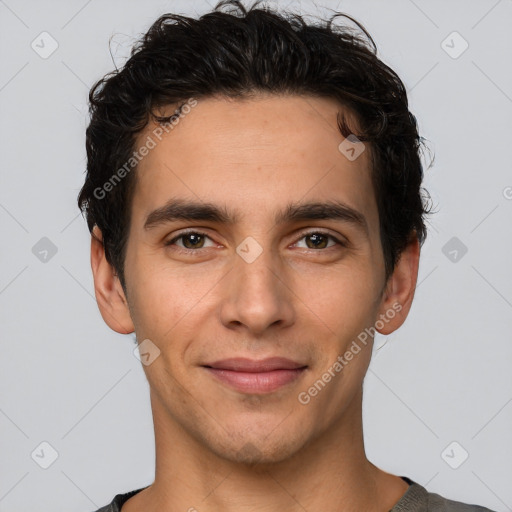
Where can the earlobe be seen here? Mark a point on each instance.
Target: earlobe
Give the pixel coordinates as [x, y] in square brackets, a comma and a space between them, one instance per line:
[107, 288]
[399, 292]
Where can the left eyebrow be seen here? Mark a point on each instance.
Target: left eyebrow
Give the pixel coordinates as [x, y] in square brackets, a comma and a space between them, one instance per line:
[180, 209]
[330, 210]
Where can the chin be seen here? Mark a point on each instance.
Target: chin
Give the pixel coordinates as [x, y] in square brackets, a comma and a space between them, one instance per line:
[258, 451]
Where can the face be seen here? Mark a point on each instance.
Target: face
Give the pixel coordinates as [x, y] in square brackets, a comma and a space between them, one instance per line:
[253, 236]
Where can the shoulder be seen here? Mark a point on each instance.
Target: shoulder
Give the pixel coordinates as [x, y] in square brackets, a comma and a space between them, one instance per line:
[106, 508]
[118, 501]
[438, 503]
[418, 499]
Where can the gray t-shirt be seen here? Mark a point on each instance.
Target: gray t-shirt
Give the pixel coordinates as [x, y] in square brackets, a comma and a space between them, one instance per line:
[415, 499]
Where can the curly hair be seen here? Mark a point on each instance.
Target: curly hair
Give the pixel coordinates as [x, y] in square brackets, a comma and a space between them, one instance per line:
[237, 52]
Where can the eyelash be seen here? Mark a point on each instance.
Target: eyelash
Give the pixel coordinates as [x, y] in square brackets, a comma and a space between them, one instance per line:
[303, 235]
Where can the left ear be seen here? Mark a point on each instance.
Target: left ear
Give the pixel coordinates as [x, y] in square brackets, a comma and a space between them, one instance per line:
[399, 291]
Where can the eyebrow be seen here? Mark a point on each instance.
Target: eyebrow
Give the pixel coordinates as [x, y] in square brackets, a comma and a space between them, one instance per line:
[180, 209]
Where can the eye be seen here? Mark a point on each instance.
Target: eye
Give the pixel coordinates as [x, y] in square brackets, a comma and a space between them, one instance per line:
[190, 240]
[319, 240]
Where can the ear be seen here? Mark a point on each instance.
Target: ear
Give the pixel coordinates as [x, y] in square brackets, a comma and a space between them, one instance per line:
[108, 290]
[399, 290]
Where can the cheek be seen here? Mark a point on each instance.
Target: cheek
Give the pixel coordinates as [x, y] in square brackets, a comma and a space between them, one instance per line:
[347, 306]
[167, 300]
[343, 301]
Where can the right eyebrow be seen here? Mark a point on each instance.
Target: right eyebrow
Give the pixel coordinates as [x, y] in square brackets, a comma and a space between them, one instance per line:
[179, 209]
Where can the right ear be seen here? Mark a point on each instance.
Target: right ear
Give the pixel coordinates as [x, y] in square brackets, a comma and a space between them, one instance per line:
[109, 293]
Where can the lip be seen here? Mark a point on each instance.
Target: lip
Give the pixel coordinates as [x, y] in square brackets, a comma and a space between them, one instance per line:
[253, 376]
[242, 364]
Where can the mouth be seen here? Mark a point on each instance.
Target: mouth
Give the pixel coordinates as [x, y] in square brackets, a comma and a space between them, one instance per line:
[256, 377]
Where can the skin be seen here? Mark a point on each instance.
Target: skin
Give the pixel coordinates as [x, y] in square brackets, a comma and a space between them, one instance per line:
[218, 449]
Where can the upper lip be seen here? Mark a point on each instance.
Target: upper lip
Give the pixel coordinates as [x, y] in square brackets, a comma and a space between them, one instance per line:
[241, 364]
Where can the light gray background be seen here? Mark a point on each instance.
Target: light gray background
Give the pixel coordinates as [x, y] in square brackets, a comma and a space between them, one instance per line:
[68, 380]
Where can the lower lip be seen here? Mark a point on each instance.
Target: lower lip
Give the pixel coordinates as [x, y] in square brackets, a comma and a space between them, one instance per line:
[263, 382]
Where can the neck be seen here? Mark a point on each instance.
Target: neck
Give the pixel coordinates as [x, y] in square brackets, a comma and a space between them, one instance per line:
[330, 473]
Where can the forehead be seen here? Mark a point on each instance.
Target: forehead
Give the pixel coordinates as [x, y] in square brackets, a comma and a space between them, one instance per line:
[254, 155]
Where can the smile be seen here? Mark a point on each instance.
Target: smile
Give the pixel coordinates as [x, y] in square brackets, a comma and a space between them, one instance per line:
[252, 376]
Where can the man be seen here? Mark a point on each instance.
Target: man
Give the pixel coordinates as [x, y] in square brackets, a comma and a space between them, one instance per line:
[254, 195]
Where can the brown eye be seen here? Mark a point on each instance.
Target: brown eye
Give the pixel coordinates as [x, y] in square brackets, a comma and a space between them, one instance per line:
[190, 241]
[317, 240]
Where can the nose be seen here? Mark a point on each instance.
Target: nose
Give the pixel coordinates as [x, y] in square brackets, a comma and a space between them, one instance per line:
[257, 296]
